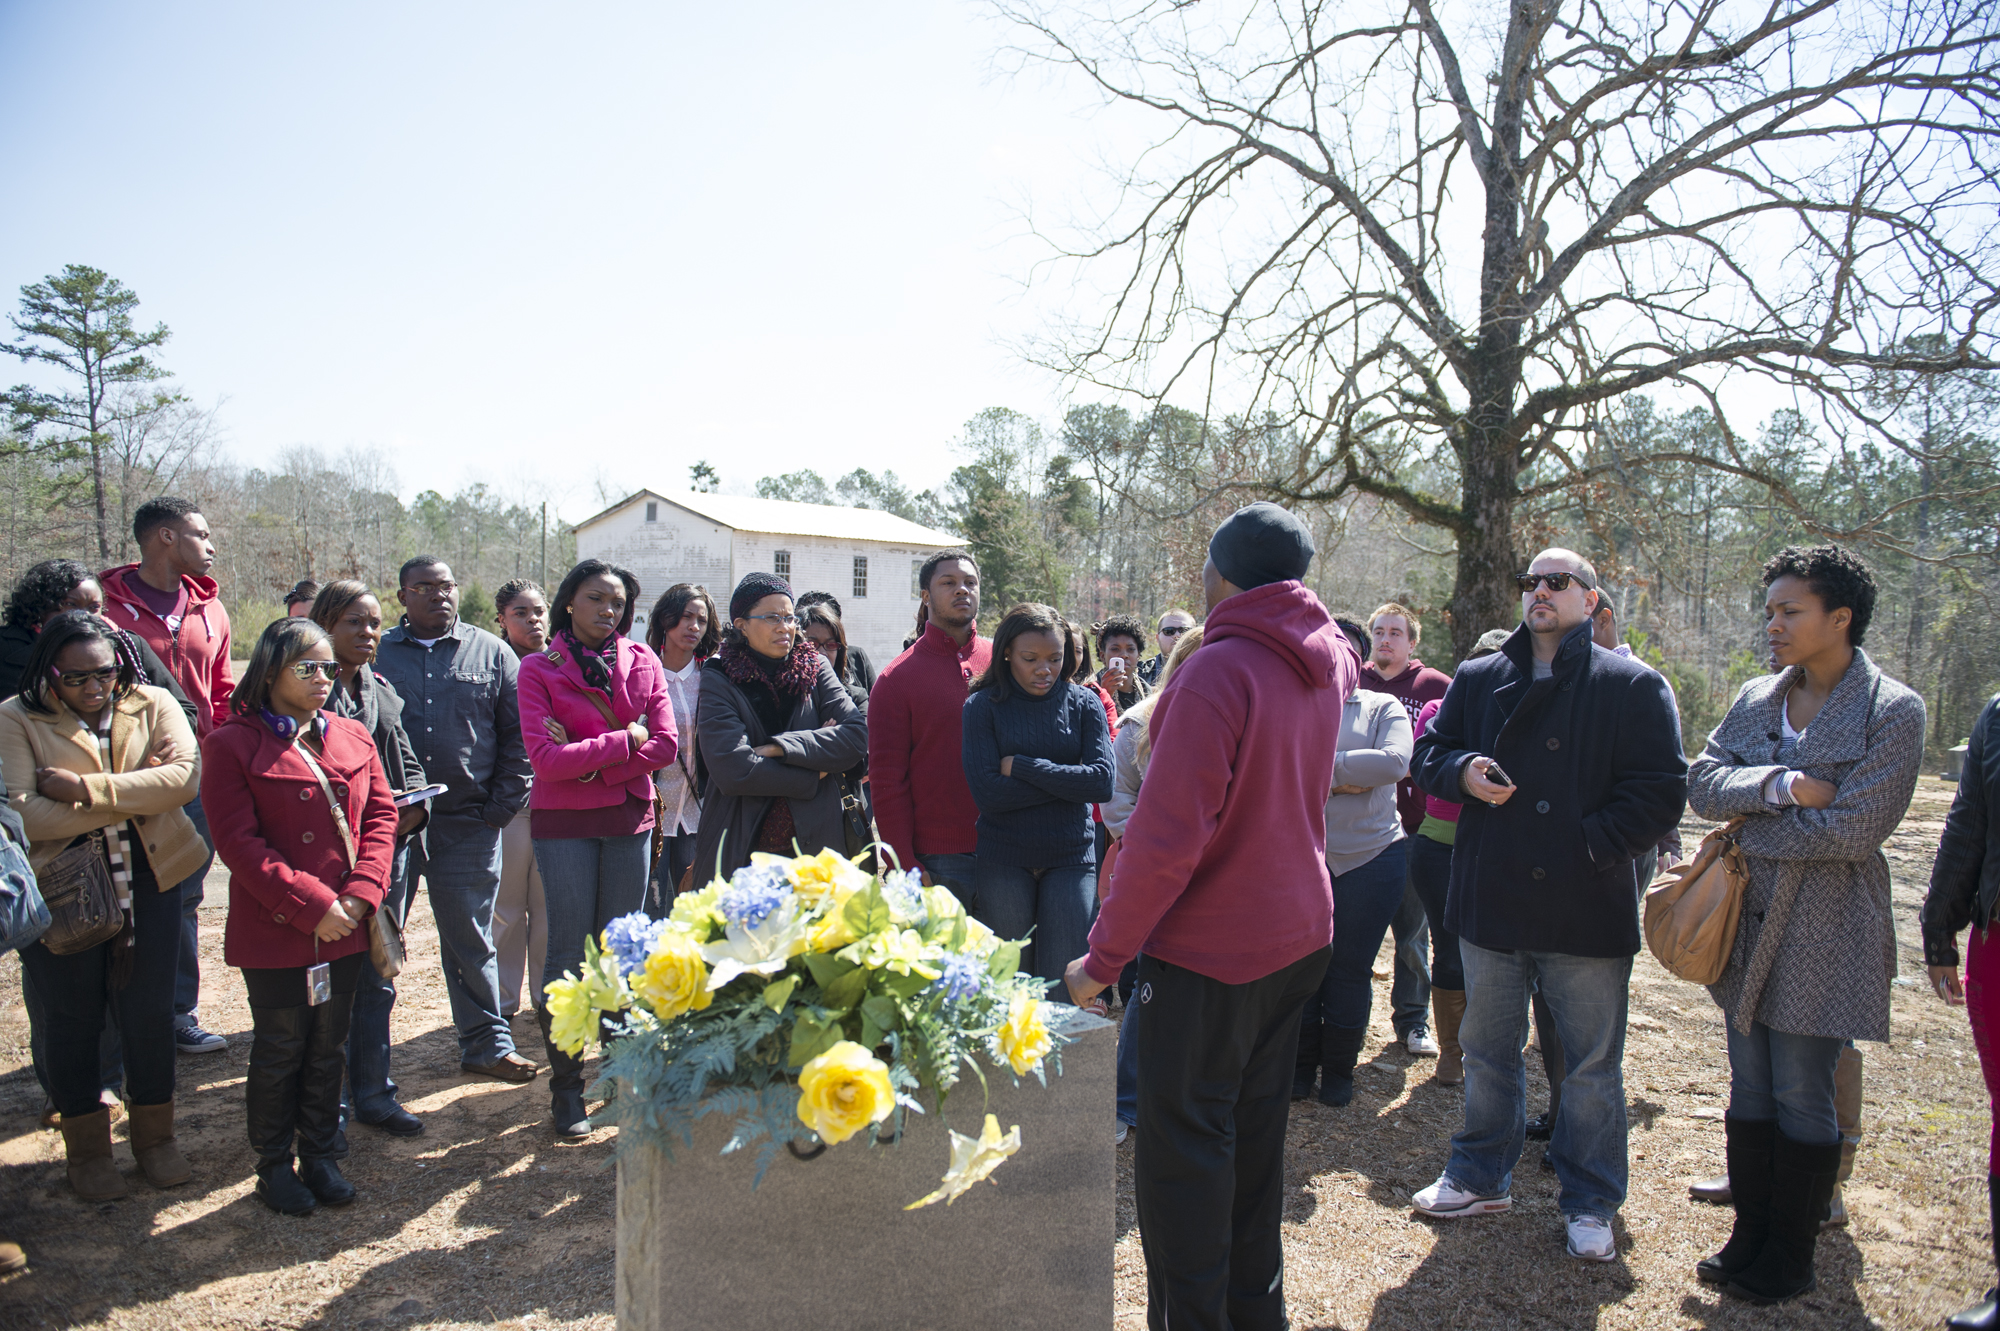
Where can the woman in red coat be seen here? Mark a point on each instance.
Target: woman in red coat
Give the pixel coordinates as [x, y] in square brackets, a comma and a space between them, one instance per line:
[305, 821]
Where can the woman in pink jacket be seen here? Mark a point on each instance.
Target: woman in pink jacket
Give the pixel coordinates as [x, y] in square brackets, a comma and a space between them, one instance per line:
[598, 724]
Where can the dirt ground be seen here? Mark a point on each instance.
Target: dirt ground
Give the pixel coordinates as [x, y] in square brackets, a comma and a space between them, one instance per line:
[488, 1221]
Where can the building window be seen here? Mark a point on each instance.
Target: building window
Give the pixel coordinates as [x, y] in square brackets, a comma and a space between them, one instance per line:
[916, 579]
[652, 512]
[861, 575]
[781, 563]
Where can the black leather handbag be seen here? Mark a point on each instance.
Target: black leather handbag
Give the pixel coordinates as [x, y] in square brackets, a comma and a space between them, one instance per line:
[83, 906]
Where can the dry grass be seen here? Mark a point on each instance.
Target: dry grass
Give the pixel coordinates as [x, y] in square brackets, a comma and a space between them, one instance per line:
[487, 1221]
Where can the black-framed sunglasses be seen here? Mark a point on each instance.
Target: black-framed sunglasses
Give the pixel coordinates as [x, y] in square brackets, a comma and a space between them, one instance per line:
[1557, 581]
[76, 679]
[1174, 630]
[307, 670]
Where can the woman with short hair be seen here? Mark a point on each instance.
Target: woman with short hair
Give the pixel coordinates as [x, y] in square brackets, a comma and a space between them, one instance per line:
[1121, 641]
[304, 818]
[1821, 759]
[683, 632]
[352, 618]
[598, 725]
[520, 907]
[1037, 754]
[94, 757]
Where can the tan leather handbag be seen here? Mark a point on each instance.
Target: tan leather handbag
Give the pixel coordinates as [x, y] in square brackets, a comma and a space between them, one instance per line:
[1692, 910]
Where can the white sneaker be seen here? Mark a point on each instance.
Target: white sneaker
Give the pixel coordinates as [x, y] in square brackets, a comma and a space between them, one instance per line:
[1420, 1042]
[1446, 1199]
[1590, 1239]
[1118, 1137]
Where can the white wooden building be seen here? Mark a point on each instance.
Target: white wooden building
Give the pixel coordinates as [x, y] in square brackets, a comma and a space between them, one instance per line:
[867, 559]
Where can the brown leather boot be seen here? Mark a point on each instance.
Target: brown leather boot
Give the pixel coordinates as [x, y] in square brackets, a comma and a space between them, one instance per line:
[152, 1136]
[1447, 1011]
[87, 1144]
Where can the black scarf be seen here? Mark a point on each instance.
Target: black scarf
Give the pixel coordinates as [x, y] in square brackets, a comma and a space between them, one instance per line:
[597, 665]
[773, 686]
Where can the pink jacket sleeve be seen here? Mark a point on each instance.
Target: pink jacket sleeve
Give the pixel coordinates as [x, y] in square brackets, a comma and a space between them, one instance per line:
[648, 683]
[561, 762]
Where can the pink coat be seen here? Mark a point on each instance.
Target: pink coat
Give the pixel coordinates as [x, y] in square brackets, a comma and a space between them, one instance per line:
[597, 768]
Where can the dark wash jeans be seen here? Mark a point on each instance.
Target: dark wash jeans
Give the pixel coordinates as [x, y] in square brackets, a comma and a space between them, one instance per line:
[1050, 907]
[955, 872]
[372, 1094]
[1365, 899]
[72, 999]
[1430, 875]
[1215, 1081]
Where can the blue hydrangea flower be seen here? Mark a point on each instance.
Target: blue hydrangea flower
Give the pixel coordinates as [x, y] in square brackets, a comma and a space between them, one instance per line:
[753, 894]
[963, 976]
[904, 893]
[629, 938]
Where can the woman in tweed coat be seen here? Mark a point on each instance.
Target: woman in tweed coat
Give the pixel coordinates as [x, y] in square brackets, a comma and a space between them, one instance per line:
[1823, 758]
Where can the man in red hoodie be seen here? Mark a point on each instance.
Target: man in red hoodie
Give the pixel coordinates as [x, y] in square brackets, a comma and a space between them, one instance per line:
[1221, 880]
[168, 599]
[923, 806]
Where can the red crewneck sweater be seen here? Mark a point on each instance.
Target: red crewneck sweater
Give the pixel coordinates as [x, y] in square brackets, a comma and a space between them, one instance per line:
[916, 734]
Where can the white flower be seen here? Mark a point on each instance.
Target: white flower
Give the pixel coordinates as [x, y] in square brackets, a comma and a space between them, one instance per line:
[762, 950]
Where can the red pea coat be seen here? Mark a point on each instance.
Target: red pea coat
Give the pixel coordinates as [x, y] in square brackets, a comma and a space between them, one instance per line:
[273, 828]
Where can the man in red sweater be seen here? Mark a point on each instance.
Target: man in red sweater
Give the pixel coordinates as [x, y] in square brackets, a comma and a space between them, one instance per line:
[1221, 880]
[923, 806]
[1393, 668]
[168, 599]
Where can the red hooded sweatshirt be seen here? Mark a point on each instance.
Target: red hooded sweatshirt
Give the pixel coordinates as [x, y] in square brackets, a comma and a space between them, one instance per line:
[1223, 867]
[197, 653]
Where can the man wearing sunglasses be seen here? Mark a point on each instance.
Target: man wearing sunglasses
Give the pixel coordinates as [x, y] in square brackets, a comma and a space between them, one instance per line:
[1568, 758]
[1173, 625]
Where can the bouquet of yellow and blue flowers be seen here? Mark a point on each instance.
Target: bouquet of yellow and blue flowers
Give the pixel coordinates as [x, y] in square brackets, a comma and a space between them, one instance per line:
[812, 1001]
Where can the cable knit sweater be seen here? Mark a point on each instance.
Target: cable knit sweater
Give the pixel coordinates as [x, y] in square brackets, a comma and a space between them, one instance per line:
[1039, 817]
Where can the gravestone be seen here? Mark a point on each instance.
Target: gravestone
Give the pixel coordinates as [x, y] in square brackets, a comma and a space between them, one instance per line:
[826, 1242]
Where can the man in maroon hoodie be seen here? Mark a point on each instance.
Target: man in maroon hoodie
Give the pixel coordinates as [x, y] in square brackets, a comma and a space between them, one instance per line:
[923, 806]
[168, 599]
[1221, 880]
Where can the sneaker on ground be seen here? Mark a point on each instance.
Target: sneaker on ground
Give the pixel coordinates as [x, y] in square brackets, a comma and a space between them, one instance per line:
[1420, 1042]
[1118, 1137]
[192, 1039]
[1447, 1199]
[1590, 1239]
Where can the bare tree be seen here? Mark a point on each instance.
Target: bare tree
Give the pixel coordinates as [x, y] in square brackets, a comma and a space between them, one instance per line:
[1451, 237]
[154, 441]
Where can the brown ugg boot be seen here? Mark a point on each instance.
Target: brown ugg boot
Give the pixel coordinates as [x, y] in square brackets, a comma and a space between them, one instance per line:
[87, 1144]
[152, 1136]
[1447, 1011]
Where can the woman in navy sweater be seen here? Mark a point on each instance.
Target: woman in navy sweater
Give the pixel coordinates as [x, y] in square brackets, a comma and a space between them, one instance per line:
[1037, 756]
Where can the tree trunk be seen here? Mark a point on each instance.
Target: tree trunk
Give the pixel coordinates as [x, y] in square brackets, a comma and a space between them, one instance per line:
[1483, 594]
[97, 491]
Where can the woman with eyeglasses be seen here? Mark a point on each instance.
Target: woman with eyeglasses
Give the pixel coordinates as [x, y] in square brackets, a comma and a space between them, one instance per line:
[303, 816]
[597, 723]
[683, 632]
[776, 729]
[352, 618]
[521, 908]
[94, 756]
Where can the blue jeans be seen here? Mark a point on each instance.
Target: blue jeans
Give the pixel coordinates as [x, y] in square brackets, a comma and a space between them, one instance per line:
[372, 1093]
[955, 872]
[676, 858]
[1410, 992]
[1365, 899]
[1589, 997]
[1050, 907]
[588, 882]
[459, 861]
[187, 976]
[1786, 1077]
[1430, 876]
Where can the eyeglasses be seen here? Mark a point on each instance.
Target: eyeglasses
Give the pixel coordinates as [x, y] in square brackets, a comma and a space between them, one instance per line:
[1174, 631]
[445, 588]
[308, 670]
[783, 621]
[1557, 581]
[76, 679]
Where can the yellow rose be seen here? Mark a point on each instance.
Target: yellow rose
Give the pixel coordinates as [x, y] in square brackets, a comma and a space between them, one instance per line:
[831, 933]
[674, 979]
[1024, 1036]
[825, 874]
[980, 941]
[572, 1018]
[843, 1091]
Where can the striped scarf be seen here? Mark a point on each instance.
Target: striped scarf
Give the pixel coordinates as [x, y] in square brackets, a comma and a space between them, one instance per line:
[116, 849]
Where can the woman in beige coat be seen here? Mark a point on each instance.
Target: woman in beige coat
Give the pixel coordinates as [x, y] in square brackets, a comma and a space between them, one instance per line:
[88, 751]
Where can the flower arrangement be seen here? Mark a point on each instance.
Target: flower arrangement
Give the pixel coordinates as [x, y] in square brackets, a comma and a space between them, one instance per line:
[811, 1001]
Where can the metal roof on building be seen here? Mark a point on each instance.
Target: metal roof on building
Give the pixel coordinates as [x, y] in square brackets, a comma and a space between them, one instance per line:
[787, 518]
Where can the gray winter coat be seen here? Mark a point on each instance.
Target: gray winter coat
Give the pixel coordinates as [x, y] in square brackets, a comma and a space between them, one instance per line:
[1816, 947]
[739, 785]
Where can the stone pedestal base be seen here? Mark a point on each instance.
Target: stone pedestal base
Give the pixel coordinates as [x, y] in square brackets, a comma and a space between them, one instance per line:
[825, 1243]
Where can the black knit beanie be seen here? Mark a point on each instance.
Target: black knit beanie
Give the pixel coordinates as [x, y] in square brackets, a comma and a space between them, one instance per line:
[1259, 544]
[754, 588]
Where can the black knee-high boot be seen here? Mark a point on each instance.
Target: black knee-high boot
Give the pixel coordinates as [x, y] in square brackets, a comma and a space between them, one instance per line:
[271, 1104]
[320, 1137]
[1749, 1145]
[1984, 1315]
[1802, 1180]
[566, 1105]
[1340, 1048]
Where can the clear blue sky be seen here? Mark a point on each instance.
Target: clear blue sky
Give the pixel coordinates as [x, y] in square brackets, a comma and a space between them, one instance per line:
[544, 246]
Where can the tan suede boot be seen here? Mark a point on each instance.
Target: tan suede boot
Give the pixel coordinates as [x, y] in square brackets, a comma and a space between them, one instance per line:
[92, 1171]
[1447, 1011]
[12, 1259]
[153, 1145]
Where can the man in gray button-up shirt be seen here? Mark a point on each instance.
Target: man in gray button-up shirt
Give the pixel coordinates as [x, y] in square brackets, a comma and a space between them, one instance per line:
[460, 711]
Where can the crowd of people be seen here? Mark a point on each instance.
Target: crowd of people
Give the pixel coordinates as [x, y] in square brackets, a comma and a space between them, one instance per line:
[1223, 832]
